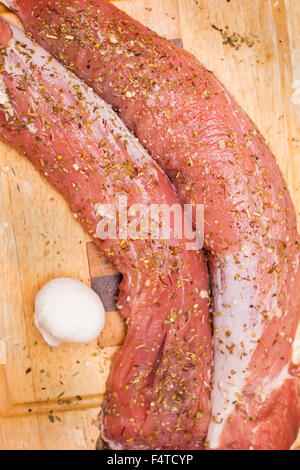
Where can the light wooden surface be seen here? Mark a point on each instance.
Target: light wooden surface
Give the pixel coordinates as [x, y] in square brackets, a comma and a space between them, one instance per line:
[50, 398]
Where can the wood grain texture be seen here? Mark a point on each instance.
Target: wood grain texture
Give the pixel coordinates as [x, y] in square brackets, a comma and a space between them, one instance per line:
[39, 238]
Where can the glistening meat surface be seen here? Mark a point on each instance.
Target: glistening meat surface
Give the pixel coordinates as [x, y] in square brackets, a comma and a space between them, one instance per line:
[214, 155]
[159, 385]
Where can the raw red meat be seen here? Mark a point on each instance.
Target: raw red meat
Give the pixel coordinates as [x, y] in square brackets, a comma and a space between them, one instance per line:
[214, 155]
[159, 386]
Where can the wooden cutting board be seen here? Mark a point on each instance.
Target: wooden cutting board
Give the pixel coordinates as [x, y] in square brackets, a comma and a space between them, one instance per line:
[50, 398]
